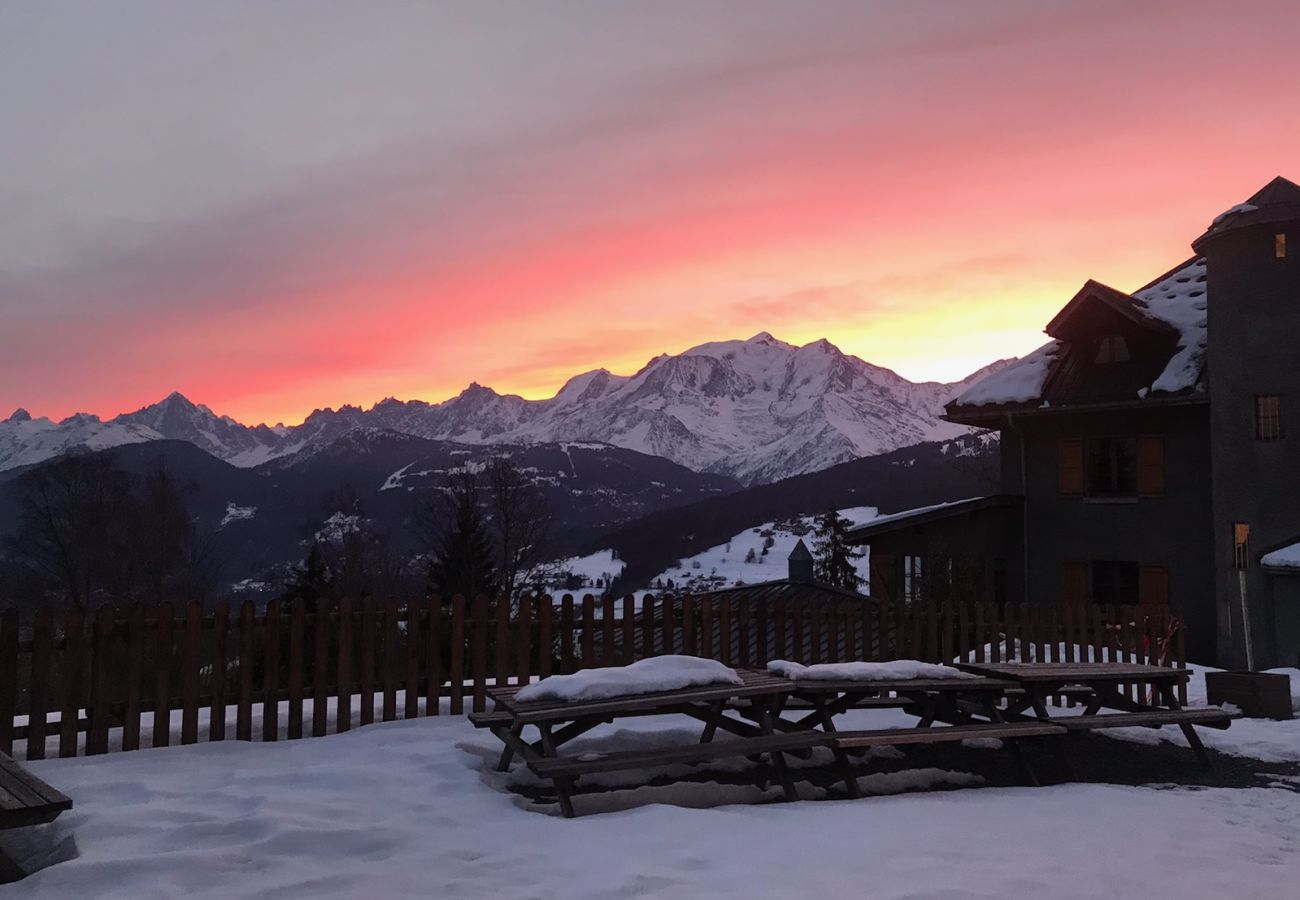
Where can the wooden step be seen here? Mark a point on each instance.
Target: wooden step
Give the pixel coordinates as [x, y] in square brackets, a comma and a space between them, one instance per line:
[1210, 718]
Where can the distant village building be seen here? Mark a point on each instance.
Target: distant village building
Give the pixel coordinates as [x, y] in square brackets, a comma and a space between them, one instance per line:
[1150, 453]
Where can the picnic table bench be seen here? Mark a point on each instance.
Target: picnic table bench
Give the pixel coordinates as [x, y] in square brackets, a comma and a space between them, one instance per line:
[1104, 682]
[24, 800]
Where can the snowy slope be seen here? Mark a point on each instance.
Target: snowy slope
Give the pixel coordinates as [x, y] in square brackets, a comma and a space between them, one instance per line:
[728, 564]
[756, 410]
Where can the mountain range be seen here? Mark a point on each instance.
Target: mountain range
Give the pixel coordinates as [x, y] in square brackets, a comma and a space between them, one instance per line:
[755, 410]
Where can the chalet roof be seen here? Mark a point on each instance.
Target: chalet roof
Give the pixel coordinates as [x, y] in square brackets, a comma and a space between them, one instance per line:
[1174, 303]
[1277, 201]
[925, 514]
[785, 589]
[1125, 305]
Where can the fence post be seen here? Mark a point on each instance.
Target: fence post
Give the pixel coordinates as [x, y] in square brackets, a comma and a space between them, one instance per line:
[456, 674]
[190, 673]
[607, 656]
[524, 642]
[271, 674]
[320, 701]
[135, 654]
[217, 707]
[588, 631]
[297, 615]
[629, 630]
[8, 678]
[566, 635]
[503, 643]
[343, 688]
[366, 700]
[413, 647]
[70, 683]
[390, 660]
[164, 647]
[244, 715]
[545, 634]
[433, 680]
[480, 652]
[101, 681]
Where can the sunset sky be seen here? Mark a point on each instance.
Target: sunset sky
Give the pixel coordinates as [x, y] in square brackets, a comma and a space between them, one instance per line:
[278, 207]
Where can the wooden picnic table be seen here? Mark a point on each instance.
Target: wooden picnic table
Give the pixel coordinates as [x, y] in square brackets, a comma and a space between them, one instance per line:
[559, 722]
[24, 800]
[945, 700]
[1105, 682]
[755, 727]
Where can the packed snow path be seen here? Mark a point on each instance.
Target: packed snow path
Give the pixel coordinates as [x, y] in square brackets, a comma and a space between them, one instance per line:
[407, 809]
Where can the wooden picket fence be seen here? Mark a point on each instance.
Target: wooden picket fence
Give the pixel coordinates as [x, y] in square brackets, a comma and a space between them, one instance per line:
[93, 683]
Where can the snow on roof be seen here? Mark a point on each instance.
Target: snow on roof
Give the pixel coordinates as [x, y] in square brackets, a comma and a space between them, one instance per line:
[908, 513]
[1180, 300]
[1020, 382]
[1283, 558]
[1233, 210]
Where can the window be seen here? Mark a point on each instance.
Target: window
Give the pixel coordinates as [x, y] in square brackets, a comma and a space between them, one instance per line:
[911, 579]
[1069, 467]
[1110, 467]
[1112, 349]
[1268, 417]
[1113, 581]
[1279, 246]
[1240, 545]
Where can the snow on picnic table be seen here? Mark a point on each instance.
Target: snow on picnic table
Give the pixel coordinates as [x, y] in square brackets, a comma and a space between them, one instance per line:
[894, 670]
[645, 676]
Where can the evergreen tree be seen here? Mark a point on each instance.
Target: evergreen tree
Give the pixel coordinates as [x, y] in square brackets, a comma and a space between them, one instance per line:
[463, 558]
[310, 580]
[832, 555]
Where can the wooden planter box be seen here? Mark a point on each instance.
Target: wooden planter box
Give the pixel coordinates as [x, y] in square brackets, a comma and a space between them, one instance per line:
[1260, 695]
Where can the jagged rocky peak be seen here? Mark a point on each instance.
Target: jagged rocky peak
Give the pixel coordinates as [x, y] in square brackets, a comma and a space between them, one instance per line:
[19, 415]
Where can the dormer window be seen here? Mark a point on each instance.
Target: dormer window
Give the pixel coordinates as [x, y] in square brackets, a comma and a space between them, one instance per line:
[1112, 349]
[1279, 246]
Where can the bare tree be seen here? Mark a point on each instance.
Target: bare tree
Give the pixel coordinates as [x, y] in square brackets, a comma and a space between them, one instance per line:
[89, 531]
[70, 516]
[521, 522]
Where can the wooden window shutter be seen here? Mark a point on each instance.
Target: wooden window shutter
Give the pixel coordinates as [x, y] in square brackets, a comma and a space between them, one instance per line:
[1151, 466]
[1069, 467]
[1153, 585]
[1074, 583]
[884, 567]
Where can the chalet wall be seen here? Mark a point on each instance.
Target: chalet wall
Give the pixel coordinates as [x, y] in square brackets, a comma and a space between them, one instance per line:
[1174, 530]
[991, 535]
[1254, 348]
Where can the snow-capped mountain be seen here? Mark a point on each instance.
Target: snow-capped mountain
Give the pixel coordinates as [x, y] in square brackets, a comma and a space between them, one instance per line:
[756, 410]
[25, 441]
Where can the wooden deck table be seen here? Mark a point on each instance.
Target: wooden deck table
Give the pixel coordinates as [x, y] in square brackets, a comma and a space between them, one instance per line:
[1105, 681]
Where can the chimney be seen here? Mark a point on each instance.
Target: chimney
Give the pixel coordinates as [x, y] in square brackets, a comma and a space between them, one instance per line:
[801, 564]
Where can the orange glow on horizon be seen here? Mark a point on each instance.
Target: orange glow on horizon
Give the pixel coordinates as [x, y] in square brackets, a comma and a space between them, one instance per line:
[927, 210]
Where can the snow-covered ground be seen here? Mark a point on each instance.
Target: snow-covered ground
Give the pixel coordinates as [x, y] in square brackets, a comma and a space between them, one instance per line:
[590, 573]
[411, 809]
[729, 564]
